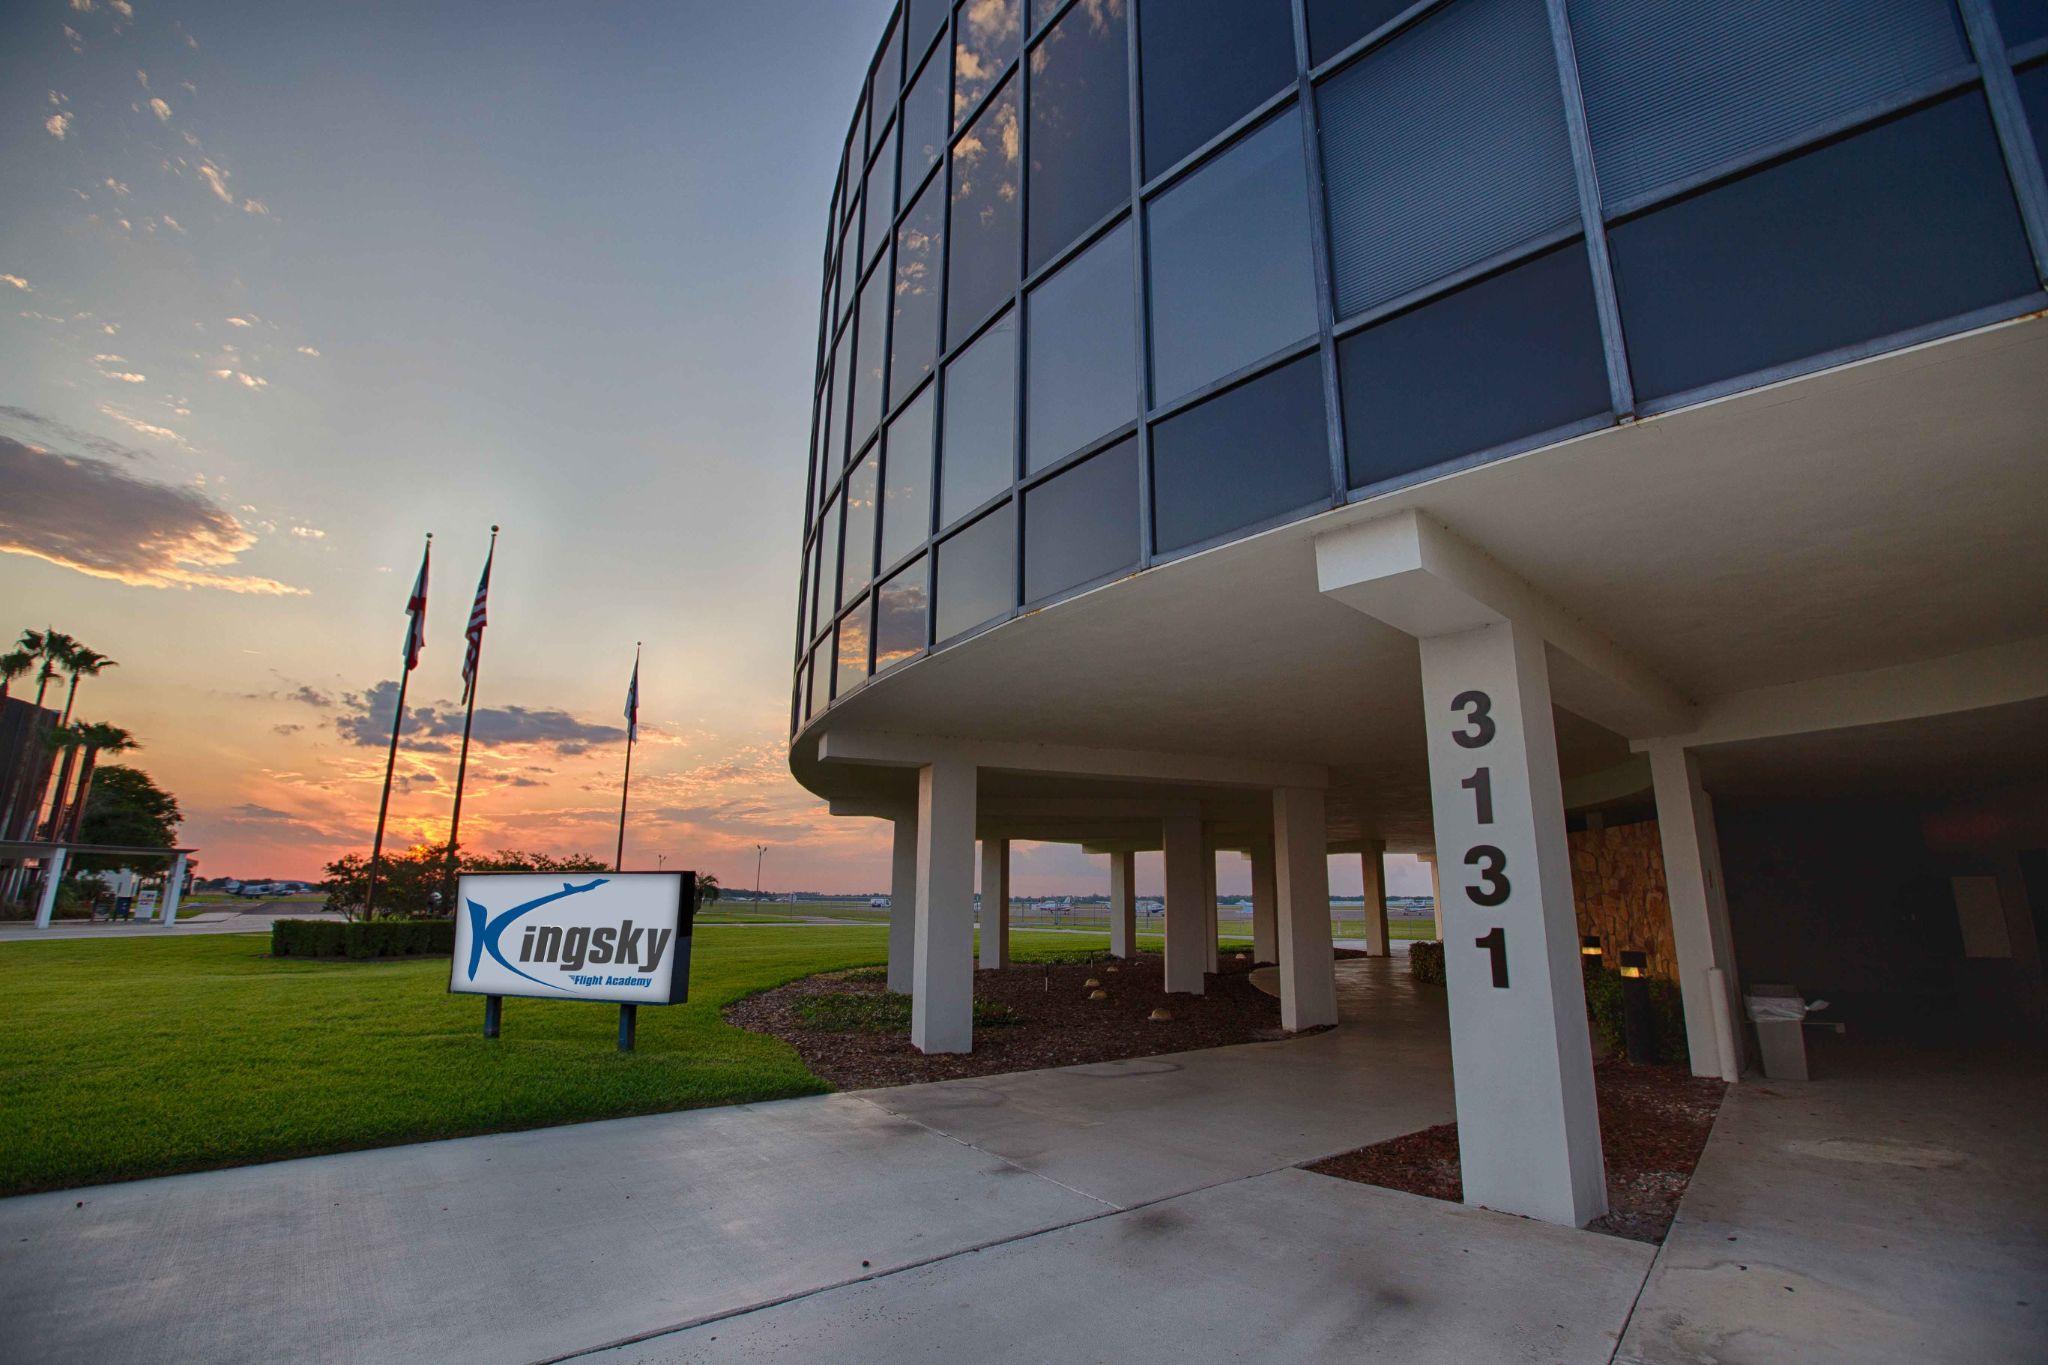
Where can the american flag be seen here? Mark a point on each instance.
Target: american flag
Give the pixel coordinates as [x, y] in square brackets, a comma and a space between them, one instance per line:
[476, 626]
[633, 701]
[416, 613]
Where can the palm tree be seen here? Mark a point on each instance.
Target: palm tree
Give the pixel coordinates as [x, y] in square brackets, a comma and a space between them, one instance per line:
[81, 661]
[17, 816]
[98, 738]
[66, 740]
[12, 666]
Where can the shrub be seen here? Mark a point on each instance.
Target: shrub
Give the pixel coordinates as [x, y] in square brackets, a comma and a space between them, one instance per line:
[881, 1012]
[362, 940]
[1426, 962]
[1667, 1015]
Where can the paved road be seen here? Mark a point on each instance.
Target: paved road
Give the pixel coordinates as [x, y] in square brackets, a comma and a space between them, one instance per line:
[253, 917]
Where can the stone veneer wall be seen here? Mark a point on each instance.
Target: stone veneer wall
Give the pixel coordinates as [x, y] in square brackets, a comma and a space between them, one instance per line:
[1618, 884]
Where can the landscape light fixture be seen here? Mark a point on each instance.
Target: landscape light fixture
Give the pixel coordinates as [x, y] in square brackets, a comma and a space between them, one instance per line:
[1638, 1029]
[1589, 946]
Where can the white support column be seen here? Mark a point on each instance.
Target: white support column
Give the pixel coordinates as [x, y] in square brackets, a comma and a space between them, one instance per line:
[1699, 907]
[1308, 967]
[1123, 904]
[1210, 924]
[1265, 902]
[1522, 1066]
[903, 903]
[942, 977]
[995, 903]
[53, 873]
[175, 891]
[1436, 892]
[1185, 960]
[1373, 864]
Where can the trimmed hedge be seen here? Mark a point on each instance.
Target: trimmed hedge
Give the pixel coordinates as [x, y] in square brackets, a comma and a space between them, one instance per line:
[1426, 962]
[362, 940]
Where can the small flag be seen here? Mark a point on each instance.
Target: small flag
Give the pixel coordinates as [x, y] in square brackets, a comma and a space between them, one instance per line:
[633, 701]
[476, 627]
[416, 611]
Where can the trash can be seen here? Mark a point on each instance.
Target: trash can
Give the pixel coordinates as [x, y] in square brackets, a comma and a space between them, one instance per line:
[1779, 1014]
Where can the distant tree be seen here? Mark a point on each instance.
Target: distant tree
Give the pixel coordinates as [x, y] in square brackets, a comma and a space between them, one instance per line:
[126, 807]
[708, 890]
[80, 662]
[95, 739]
[14, 664]
[407, 881]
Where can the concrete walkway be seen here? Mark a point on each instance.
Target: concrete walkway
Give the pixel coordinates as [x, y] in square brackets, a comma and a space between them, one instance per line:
[1140, 1210]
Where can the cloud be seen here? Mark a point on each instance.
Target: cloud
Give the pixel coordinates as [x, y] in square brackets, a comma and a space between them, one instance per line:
[286, 729]
[160, 108]
[82, 6]
[238, 322]
[58, 125]
[309, 533]
[246, 380]
[126, 377]
[142, 428]
[310, 695]
[122, 8]
[25, 287]
[93, 516]
[256, 206]
[216, 179]
[308, 350]
[116, 186]
[365, 719]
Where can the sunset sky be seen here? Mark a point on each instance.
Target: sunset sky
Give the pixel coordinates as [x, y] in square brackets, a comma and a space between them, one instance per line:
[286, 287]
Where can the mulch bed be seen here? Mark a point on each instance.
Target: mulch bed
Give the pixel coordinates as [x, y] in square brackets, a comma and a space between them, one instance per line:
[1058, 1025]
[1654, 1122]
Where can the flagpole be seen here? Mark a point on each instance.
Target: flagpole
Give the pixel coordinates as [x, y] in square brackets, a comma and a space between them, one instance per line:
[632, 725]
[391, 763]
[476, 663]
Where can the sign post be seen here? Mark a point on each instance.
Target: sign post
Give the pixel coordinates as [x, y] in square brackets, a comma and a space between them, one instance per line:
[617, 937]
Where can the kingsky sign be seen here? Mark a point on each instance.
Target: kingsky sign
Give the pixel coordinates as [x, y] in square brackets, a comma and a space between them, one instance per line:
[616, 936]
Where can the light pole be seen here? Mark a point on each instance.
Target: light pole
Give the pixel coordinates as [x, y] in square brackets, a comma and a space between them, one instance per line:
[659, 859]
[760, 851]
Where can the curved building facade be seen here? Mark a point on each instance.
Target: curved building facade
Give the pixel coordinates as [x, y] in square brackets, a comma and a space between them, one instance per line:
[1215, 398]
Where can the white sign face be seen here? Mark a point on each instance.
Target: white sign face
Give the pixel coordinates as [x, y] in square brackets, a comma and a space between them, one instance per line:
[622, 936]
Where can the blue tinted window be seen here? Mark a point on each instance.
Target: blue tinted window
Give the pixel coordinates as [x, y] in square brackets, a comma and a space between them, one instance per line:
[879, 199]
[914, 344]
[1248, 454]
[857, 562]
[976, 574]
[2033, 83]
[888, 75]
[1080, 125]
[868, 357]
[900, 607]
[927, 17]
[827, 590]
[1082, 524]
[1510, 356]
[1443, 149]
[849, 263]
[828, 465]
[985, 41]
[853, 651]
[821, 680]
[842, 375]
[977, 456]
[1334, 25]
[1674, 88]
[924, 121]
[1203, 65]
[981, 262]
[2021, 21]
[907, 480]
[1233, 278]
[1082, 356]
[1909, 223]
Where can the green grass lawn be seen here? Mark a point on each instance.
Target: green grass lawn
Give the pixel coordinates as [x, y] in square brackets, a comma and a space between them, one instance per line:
[148, 1056]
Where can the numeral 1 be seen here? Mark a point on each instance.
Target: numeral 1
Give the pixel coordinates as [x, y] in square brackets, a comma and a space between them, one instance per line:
[1496, 944]
[1480, 784]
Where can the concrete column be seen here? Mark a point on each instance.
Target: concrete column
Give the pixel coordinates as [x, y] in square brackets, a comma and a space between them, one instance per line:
[995, 903]
[942, 975]
[1265, 903]
[1123, 904]
[1699, 904]
[175, 891]
[1308, 966]
[1436, 892]
[1373, 863]
[1185, 959]
[1521, 1060]
[1209, 920]
[903, 903]
[53, 873]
